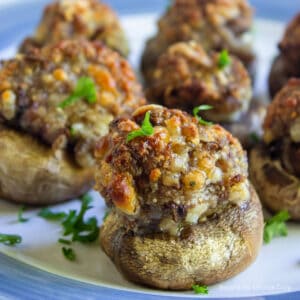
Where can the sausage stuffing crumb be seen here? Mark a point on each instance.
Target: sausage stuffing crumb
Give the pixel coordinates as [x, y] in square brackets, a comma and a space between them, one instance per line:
[180, 175]
[32, 87]
[73, 19]
[187, 76]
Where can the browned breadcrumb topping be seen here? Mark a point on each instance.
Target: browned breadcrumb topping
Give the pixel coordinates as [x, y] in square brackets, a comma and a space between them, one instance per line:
[32, 87]
[283, 115]
[73, 19]
[187, 76]
[182, 173]
[216, 24]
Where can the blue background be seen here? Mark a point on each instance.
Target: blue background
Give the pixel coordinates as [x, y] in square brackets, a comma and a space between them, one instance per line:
[18, 281]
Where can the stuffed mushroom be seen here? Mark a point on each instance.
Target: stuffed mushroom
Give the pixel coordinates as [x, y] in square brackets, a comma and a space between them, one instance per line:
[287, 64]
[77, 19]
[186, 76]
[55, 103]
[275, 164]
[216, 24]
[183, 211]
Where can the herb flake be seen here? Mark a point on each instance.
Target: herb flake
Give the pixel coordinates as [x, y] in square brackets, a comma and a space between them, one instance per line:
[199, 108]
[21, 219]
[85, 88]
[275, 226]
[10, 239]
[69, 253]
[224, 59]
[47, 214]
[146, 129]
[200, 289]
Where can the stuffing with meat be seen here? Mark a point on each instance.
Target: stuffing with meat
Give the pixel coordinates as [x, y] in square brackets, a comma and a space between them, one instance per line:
[78, 19]
[187, 76]
[215, 24]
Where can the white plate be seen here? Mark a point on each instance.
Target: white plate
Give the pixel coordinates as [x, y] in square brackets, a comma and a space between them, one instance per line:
[276, 270]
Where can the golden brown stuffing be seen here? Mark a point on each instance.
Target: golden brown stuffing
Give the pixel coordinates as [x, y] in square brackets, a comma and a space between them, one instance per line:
[283, 116]
[181, 174]
[187, 76]
[77, 19]
[33, 86]
[216, 24]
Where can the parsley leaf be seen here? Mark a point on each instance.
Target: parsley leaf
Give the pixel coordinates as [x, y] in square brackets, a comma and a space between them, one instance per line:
[224, 59]
[74, 224]
[21, 219]
[10, 239]
[200, 289]
[199, 108]
[47, 214]
[69, 253]
[146, 129]
[276, 226]
[64, 241]
[85, 88]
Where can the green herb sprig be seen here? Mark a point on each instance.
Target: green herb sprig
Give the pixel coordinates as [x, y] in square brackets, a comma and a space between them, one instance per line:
[21, 219]
[84, 89]
[276, 226]
[199, 108]
[69, 253]
[224, 59]
[10, 239]
[80, 230]
[47, 214]
[200, 289]
[146, 129]
[75, 226]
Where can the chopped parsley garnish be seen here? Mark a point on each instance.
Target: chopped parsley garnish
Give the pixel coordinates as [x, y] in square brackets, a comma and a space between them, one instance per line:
[200, 289]
[146, 129]
[85, 88]
[197, 109]
[276, 226]
[64, 241]
[74, 225]
[21, 219]
[80, 230]
[69, 253]
[224, 59]
[47, 214]
[10, 239]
